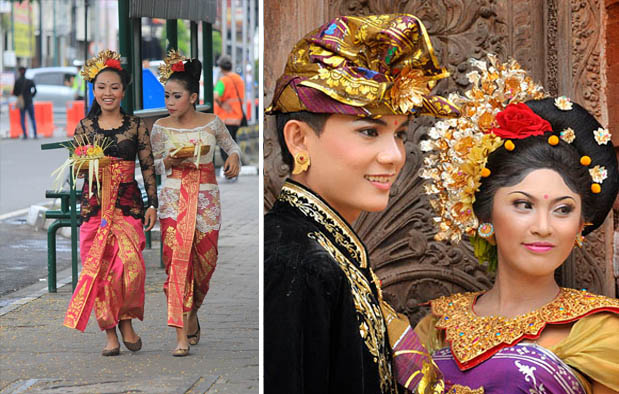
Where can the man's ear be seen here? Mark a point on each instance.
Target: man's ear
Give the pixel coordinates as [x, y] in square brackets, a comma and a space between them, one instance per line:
[296, 134]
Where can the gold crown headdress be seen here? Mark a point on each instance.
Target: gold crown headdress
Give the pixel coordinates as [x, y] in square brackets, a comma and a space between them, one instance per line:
[104, 59]
[459, 148]
[170, 66]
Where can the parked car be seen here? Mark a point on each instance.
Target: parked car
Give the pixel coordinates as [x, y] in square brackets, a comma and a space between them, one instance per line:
[54, 84]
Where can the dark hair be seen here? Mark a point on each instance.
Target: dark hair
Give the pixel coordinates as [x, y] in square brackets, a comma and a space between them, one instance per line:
[125, 80]
[531, 153]
[225, 62]
[314, 120]
[190, 78]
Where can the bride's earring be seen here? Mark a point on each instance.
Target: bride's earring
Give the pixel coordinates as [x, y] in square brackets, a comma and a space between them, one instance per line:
[486, 231]
[579, 240]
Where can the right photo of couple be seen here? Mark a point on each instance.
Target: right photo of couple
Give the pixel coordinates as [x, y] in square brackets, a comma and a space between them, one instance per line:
[439, 184]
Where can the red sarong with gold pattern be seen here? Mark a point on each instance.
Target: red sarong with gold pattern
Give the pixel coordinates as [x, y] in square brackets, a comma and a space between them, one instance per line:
[113, 273]
[189, 256]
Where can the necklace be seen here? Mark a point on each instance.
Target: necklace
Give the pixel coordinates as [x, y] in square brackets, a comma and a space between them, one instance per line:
[110, 123]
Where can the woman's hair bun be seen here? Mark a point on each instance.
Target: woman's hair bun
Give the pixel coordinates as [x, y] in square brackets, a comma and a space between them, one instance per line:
[194, 68]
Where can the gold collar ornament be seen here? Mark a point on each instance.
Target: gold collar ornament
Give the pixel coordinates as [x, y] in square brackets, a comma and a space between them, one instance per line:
[313, 207]
[474, 339]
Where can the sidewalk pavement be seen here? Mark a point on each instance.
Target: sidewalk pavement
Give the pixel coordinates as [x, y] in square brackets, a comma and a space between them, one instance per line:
[39, 355]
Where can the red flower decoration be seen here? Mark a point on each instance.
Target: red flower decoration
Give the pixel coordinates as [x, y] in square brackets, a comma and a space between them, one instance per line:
[178, 67]
[518, 121]
[113, 63]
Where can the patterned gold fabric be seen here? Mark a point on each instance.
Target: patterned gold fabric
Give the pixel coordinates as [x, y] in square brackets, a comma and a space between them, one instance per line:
[474, 339]
[365, 66]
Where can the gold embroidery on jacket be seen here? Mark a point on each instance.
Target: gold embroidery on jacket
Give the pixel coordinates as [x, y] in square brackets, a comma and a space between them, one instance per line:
[313, 207]
[371, 323]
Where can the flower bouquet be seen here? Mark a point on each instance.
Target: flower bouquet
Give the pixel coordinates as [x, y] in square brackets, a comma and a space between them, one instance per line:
[192, 148]
[85, 155]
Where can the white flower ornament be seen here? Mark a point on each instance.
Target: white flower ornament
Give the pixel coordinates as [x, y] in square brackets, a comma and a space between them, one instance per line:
[602, 136]
[568, 135]
[598, 174]
[563, 103]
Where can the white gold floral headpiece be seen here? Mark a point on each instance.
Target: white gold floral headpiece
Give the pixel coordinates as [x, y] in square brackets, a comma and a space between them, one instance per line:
[459, 148]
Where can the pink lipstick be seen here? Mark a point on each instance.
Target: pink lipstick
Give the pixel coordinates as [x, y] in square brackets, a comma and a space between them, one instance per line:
[539, 247]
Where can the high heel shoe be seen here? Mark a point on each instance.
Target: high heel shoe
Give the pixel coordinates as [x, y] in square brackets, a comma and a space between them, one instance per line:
[195, 338]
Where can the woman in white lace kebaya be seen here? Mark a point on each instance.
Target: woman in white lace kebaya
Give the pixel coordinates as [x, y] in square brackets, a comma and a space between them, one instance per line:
[189, 208]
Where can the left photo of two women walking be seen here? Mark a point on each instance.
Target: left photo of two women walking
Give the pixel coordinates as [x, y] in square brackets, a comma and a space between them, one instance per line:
[282, 197]
[129, 212]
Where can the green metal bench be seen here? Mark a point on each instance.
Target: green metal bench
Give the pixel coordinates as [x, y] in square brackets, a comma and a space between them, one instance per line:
[63, 219]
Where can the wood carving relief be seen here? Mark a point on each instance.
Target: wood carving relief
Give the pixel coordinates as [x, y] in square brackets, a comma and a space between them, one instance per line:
[592, 265]
[413, 267]
[586, 48]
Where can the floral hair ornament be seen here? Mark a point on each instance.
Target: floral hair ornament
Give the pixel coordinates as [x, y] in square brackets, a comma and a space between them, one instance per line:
[500, 109]
[172, 63]
[366, 66]
[178, 67]
[493, 115]
[104, 59]
[563, 103]
[602, 136]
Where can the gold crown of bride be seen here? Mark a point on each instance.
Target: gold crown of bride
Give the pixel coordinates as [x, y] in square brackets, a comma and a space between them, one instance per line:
[458, 149]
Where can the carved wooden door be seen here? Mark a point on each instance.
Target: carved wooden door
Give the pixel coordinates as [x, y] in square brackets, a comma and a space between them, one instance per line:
[558, 41]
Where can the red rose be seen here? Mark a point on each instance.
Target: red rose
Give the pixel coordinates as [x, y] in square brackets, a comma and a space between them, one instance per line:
[518, 121]
[113, 63]
[178, 67]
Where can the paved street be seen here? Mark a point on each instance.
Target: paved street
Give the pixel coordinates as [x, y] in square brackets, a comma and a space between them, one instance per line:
[25, 171]
[39, 355]
[23, 256]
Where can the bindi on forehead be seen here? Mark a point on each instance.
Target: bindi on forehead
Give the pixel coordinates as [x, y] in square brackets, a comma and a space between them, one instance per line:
[546, 196]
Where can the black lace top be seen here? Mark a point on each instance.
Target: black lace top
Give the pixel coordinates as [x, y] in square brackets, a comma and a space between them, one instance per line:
[128, 140]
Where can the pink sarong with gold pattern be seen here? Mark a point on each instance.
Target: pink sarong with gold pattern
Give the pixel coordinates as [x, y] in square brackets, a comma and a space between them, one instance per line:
[113, 273]
[189, 255]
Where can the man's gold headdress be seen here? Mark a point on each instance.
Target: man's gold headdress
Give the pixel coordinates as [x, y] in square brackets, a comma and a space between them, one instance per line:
[366, 66]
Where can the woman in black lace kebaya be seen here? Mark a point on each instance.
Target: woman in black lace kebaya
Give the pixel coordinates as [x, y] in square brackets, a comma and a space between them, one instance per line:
[111, 236]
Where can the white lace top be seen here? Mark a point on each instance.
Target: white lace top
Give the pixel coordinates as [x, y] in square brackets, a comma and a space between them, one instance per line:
[212, 133]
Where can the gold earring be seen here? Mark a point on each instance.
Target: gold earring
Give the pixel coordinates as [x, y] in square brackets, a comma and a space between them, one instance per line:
[301, 163]
[580, 240]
